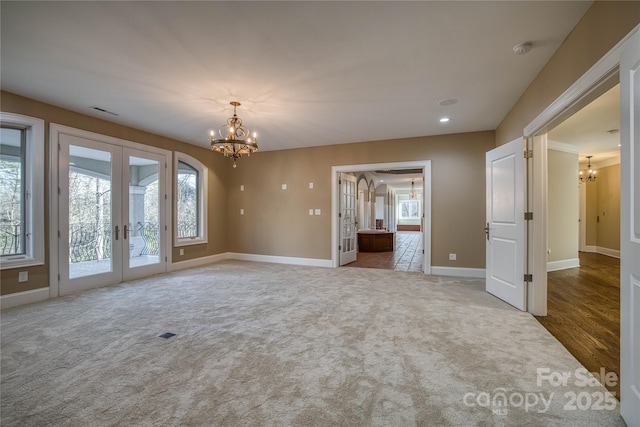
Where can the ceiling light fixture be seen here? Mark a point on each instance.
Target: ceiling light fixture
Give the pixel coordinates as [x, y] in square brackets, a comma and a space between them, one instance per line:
[412, 193]
[522, 48]
[444, 119]
[233, 138]
[592, 173]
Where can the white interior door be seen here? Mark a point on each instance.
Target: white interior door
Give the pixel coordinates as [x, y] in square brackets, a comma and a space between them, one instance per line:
[348, 206]
[630, 232]
[112, 214]
[505, 229]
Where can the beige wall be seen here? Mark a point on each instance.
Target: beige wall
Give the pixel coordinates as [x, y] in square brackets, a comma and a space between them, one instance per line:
[277, 222]
[562, 205]
[601, 28]
[39, 276]
[603, 207]
[591, 239]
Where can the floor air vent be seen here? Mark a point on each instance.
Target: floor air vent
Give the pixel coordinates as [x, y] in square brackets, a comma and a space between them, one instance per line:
[167, 335]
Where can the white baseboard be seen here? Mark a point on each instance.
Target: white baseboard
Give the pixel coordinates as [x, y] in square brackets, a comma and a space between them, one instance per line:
[615, 253]
[22, 298]
[311, 262]
[197, 262]
[459, 272]
[608, 252]
[563, 264]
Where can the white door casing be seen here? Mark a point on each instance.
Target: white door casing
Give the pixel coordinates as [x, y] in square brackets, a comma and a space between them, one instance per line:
[505, 229]
[348, 219]
[630, 231]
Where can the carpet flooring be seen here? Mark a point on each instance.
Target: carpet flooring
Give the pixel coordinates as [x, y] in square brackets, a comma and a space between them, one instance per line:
[276, 345]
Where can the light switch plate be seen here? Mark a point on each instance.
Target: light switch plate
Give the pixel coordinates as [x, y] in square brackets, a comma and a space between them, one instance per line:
[284, 186]
[310, 211]
[241, 211]
[311, 186]
[242, 188]
[318, 212]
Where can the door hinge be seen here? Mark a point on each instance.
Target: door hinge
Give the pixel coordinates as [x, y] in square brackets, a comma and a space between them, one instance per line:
[339, 214]
[528, 277]
[58, 277]
[165, 259]
[58, 234]
[165, 228]
[528, 154]
[528, 216]
[339, 247]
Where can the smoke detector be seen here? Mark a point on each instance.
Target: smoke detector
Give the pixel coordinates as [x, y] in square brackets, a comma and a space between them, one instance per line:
[522, 48]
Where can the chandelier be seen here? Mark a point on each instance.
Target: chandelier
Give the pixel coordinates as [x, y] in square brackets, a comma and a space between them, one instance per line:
[233, 138]
[412, 193]
[592, 173]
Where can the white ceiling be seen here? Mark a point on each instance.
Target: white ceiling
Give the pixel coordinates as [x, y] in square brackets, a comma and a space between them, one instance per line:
[594, 130]
[307, 73]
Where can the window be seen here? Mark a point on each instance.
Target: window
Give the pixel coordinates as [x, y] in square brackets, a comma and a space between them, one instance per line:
[190, 201]
[21, 191]
[410, 209]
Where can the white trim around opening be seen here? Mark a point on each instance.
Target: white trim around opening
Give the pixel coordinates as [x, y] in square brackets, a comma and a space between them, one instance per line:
[335, 205]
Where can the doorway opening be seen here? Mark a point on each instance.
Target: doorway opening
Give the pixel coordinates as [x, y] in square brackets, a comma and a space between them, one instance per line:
[583, 257]
[365, 200]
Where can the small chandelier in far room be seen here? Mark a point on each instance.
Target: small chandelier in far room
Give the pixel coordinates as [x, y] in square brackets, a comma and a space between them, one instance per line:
[412, 193]
[233, 138]
[592, 174]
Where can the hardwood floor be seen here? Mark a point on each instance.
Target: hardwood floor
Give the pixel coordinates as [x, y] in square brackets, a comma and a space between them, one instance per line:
[584, 312]
[406, 257]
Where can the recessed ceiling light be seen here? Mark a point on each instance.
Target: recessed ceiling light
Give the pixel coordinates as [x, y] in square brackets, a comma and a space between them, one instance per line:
[444, 119]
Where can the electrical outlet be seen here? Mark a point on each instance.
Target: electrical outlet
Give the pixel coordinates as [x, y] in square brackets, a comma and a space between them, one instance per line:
[311, 186]
[23, 276]
[284, 186]
[181, 252]
[242, 188]
[452, 257]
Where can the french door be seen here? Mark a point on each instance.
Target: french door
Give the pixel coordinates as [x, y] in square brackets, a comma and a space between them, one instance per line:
[348, 219]
[112, 215]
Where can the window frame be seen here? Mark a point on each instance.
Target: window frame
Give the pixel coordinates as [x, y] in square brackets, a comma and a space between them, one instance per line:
[203, 179]
[407, 201]
[33, 189]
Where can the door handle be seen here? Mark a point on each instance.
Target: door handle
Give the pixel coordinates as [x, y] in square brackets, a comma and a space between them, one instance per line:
[126, 230]
[117, 232]
[486, 231]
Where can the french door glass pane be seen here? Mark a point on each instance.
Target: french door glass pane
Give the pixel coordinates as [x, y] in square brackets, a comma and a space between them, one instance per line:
[144, 212]
[90, 212]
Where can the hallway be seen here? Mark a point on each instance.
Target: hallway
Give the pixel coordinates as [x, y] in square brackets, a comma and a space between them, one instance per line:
[584, 312]
[406, 257]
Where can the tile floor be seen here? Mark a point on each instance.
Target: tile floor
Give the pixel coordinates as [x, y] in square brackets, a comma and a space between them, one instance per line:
[406, 257]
